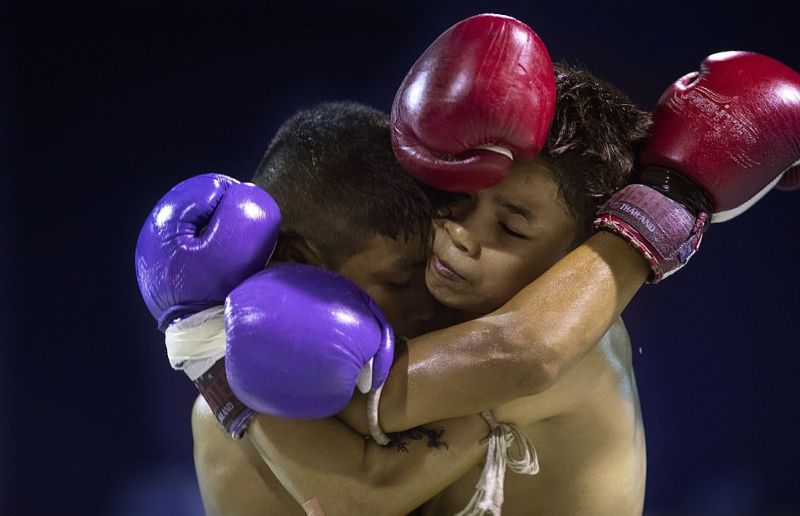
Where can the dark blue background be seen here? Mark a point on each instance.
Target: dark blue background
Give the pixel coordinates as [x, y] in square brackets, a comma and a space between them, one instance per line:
[108, 106]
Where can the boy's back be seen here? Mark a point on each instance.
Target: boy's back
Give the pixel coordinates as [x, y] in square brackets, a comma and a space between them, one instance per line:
[588, 432]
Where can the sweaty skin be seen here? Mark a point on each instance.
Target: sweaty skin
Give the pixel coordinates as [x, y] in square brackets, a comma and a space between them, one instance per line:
[587, 426]
[233, 478]
[524, 346]
[588, 432]
[317, 460]
[554, 320]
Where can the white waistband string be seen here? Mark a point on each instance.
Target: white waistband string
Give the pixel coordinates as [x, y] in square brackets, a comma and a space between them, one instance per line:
[488, 497]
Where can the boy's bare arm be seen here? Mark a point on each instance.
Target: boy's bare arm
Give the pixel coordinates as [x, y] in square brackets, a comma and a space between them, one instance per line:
[323, 463]
[232, 477]
[518, 350]
[460, 370]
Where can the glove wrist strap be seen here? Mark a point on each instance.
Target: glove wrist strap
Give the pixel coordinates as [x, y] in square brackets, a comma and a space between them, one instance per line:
[231, 413]
[662, 230]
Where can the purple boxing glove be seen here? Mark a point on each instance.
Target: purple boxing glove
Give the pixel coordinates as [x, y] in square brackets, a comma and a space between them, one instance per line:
[204, 237]
[298, 339]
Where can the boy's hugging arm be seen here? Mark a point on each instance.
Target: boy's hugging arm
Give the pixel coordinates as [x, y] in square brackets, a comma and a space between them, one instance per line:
[296, 466]
[518, 350]
[324, 464]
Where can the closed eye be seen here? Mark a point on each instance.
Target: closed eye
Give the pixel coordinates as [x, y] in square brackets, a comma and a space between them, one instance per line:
[511, 232]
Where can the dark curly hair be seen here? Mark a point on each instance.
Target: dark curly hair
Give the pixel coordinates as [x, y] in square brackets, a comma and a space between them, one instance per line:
[593, 142]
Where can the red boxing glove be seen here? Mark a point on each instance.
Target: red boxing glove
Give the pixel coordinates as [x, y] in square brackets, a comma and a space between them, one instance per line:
[733, 128]
[722, 138]
[482, 95]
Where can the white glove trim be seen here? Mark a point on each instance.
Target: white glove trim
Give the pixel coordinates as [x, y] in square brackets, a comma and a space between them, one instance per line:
[364, 381]
[194, 344]
[722, 216]
[499, 150]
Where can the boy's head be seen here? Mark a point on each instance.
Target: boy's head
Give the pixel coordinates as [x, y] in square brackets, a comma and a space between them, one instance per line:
[348, 206]
[489, 244]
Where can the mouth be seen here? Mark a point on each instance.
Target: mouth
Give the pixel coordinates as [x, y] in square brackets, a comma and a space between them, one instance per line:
[444, 270]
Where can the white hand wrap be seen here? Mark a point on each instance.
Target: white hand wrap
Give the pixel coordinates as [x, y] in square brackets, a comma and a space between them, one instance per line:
[194, 344]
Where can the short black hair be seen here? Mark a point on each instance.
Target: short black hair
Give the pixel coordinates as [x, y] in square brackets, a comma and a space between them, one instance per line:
[332, 171]
[593, 143]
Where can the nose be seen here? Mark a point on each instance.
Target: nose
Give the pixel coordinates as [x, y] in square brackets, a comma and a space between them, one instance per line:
[461, 238]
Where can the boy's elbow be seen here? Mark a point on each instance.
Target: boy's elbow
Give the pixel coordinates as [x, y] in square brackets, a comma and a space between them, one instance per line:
[540, 373]
[536, 363]
[370, 489]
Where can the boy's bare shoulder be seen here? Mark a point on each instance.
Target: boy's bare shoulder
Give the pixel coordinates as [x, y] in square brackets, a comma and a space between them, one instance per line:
[233, 478]
[215, 451]
[201, 412]
[216, 456]
[208, 435]
[604, 365]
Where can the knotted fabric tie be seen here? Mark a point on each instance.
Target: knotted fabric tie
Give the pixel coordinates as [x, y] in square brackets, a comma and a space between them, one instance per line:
[504, 438]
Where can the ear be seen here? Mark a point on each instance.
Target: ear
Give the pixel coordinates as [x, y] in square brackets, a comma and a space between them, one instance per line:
[297, 249]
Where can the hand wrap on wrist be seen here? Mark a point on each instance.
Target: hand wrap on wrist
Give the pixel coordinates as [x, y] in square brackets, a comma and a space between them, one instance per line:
[196, 346]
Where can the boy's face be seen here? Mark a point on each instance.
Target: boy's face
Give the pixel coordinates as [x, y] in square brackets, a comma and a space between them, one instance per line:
[497, 240]
[393, 273]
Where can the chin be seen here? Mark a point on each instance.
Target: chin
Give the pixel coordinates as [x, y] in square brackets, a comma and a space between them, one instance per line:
[463, 299]
[471, 305]
[455, 300]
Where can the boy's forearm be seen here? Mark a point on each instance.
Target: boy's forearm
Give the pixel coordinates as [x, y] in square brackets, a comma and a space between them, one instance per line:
[557, 319]
[326, 463]
[519, 350]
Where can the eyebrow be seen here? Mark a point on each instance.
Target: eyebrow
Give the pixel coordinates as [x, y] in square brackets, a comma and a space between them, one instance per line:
[513, 208]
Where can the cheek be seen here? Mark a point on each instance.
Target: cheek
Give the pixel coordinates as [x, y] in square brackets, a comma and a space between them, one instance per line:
[438, 236]
[505, 274]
